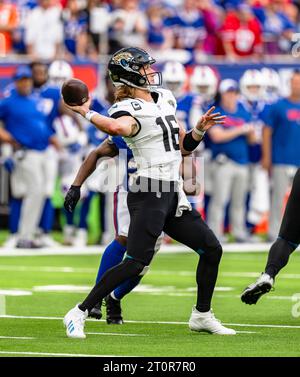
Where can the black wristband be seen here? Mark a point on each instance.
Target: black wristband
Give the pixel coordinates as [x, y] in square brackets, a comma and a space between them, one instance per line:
[189, 143]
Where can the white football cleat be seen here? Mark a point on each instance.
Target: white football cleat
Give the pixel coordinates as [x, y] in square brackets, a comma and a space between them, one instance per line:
[48, 241]
[68, 232]
[81, 238]
[207, 322]
[254, 291]
[74, 322]
[11, 241]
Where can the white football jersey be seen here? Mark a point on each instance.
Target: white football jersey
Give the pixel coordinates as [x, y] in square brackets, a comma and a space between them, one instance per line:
[155, 146]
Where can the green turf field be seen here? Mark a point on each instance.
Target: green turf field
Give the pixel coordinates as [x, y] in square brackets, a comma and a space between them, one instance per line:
[166, 296]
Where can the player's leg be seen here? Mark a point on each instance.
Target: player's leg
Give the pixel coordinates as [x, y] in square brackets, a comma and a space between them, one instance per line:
[32, 167]
[259, 194]
[238, 202]
[113, 255]
[50, 175]
[15, 205]
[81, 237]
[280, 183]
[18, 190]
[222, 178]
[192, 231]
[125, 288]
[286, 243]
[148, 212]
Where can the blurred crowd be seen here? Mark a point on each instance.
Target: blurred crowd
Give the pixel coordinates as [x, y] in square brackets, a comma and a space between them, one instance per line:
[87, 29]
[248, 163]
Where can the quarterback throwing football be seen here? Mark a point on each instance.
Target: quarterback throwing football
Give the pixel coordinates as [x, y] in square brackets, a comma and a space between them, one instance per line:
[144, 115]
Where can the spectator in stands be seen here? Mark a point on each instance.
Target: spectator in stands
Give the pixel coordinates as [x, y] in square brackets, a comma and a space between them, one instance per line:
[98, 31]
[128, 26]
[213, 17]
[281, 152]
[75, 30]
[43, 31]
[241, 34]
[188, 27]
[8, 23]
[229, 145]
[276, 25]
[157, 37]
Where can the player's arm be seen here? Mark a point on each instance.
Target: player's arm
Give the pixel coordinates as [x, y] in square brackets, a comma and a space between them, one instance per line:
[106, 149]
[267, 148]
[190, 140]
[6, 137]
[221, 135]
[191, 184]
[123, 126]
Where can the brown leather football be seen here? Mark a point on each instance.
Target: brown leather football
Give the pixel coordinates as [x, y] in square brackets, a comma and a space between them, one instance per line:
[75, 92]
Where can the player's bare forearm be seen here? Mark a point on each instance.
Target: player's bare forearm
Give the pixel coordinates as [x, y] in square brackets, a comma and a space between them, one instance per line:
[266, 147]
[90, 163]
[6, 137]
[123, 126]
[55, 142]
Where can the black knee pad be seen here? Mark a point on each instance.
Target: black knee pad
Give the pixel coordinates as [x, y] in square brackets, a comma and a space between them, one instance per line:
[135, 267]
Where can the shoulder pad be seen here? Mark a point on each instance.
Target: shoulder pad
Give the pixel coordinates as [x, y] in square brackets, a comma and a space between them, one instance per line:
[130, 107]
[167, 96]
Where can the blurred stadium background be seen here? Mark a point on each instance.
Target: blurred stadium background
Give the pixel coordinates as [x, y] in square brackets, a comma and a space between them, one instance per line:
[229, 37]
[197, 44]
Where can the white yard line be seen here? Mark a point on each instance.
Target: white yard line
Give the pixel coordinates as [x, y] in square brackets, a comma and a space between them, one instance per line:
[246, 332]
[156, 322]
[16, 337]
[68, 269]
[57, 354]
[48, 269]
[91, 250]
[114, 333]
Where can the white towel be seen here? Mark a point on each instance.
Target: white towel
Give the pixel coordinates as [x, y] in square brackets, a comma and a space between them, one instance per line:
[183, 203]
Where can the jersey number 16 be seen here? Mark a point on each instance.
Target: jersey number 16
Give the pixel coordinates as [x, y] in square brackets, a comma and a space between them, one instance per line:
[167, 128]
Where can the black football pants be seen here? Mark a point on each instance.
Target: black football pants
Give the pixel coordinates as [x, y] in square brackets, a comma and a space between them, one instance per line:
[289, 233]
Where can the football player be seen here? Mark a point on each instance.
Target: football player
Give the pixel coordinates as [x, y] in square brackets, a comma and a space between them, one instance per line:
[252, 91]
[144, 114]
[280, 150]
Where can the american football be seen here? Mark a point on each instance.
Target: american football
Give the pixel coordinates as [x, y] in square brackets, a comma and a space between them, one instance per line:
[75, 92]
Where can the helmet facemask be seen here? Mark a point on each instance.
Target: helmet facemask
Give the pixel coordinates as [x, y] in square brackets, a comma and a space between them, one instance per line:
[127, 67]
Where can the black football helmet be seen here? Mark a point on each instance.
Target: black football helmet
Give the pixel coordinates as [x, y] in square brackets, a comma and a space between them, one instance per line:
[125, 67]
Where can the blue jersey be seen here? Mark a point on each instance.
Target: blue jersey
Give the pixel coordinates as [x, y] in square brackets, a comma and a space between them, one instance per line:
[189, 28]
[50, 98]
[156, 33]
[284, 118]
[125, 157]
[256, 109]
[236, 149]
[101, 106]
[188, 110]
[72, 29]
[274, 24]
[25, 120]
[95, 136]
